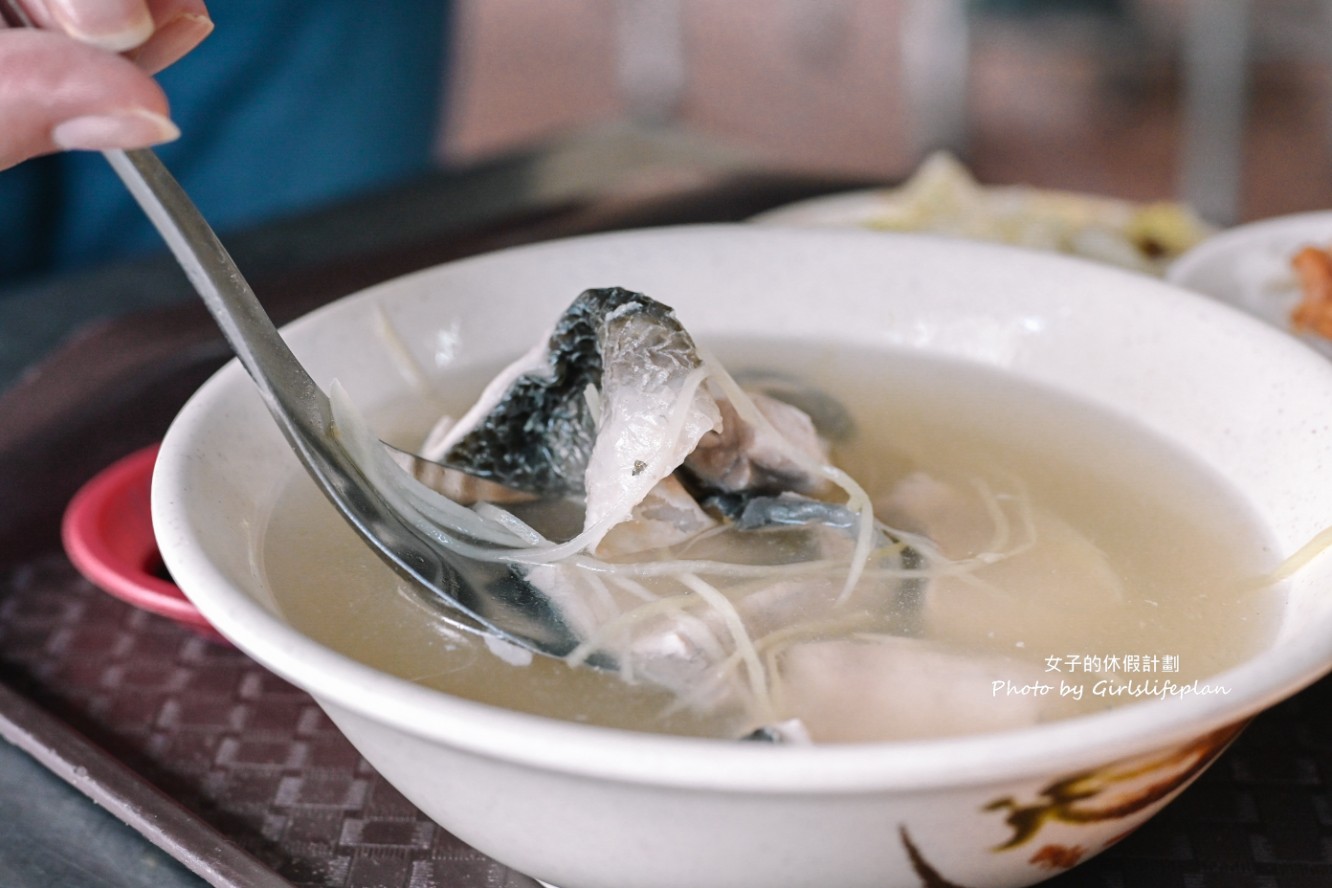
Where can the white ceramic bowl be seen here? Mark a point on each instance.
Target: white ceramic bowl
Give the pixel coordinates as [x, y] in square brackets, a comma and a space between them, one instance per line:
[1249, 267]
[586, 807]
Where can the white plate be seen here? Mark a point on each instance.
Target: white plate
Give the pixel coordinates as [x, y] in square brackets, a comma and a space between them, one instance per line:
[1249, 267]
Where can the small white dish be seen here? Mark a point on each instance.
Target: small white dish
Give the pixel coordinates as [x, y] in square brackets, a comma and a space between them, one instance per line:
[1249, 267]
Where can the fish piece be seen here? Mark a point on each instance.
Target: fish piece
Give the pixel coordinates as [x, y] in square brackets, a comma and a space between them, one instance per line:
[1025, 574]
[907, 688]
[534, 426]
[793, 510]
[674, 647]
[741, 455]
[831, 419]
[667, 516]
[455, 484]
[654, 409]
[679, 641]
[605, 408]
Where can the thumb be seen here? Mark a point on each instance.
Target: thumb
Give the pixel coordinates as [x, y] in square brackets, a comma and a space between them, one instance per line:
[57, 93]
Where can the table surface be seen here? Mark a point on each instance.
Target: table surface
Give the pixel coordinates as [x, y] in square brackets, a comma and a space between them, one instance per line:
[239, 775]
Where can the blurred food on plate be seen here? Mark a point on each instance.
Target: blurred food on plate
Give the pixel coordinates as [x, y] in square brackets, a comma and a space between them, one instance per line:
[1313, 314]
[943, 197]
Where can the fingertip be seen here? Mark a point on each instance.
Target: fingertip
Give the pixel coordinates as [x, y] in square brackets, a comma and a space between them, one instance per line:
[123, 128]
[172, 40]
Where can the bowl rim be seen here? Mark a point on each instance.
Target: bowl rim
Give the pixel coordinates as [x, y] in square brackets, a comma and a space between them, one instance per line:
[596, 752]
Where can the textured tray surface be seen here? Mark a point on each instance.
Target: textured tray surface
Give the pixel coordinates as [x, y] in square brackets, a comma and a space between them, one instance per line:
[249, 753]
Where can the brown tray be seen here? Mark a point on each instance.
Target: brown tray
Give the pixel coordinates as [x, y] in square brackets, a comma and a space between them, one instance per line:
[241, 777]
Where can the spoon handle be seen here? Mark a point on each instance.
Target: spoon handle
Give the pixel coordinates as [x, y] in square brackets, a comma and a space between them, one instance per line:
[302, 412]
[287, 388]
[297, 403]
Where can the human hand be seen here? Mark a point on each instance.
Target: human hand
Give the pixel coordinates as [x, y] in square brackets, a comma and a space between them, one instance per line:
[82, 77]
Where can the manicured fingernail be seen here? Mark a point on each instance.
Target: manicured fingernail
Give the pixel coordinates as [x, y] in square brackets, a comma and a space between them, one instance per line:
[106, 25]
[134, 128]
[172, 40]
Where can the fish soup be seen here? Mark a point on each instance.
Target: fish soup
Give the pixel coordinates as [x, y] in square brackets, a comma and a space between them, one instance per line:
[1034, 559]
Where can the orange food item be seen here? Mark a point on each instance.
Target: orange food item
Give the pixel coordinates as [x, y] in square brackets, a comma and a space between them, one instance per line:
[1314, 313]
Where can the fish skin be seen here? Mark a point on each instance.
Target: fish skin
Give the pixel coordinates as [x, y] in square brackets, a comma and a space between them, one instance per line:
[539, 437]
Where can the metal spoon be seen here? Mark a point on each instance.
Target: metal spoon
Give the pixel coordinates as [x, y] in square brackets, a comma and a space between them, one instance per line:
[485, 599]
[480, 597]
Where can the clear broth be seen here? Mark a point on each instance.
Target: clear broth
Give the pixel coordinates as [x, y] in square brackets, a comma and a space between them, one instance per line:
[1181, 541]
